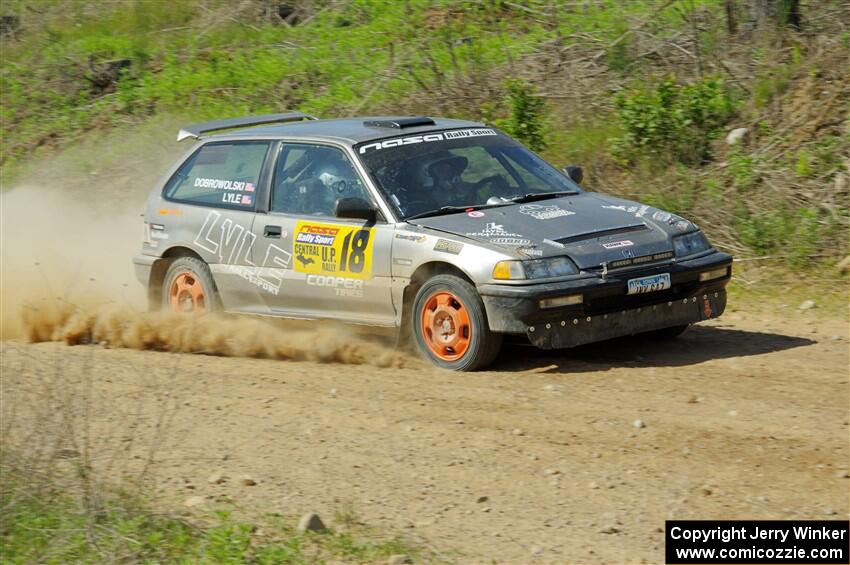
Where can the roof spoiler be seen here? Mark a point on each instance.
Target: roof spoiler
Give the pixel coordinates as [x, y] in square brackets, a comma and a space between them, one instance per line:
[196, 130]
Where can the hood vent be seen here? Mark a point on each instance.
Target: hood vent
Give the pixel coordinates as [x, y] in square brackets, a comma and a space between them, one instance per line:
[602, 233]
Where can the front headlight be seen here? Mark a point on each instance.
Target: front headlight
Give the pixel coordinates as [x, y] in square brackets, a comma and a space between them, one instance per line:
[690, 243]
[534, 269]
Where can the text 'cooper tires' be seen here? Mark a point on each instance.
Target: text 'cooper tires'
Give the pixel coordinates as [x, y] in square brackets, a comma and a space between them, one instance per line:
[450, 325]
[189, 287]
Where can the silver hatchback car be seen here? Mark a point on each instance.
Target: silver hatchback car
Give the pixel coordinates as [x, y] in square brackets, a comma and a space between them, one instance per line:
[448, 230]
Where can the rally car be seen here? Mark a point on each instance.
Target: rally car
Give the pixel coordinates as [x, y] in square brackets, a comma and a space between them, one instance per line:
[448, 230]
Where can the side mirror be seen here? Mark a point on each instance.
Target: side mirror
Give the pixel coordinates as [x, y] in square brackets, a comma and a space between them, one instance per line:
[355, 208]
[574, 172]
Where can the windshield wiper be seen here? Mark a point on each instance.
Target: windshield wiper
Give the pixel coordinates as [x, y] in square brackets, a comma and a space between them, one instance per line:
[532, 196]
[445, 210]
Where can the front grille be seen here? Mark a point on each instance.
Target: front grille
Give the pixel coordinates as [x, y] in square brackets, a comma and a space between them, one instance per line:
[642, 260]
[616, 302]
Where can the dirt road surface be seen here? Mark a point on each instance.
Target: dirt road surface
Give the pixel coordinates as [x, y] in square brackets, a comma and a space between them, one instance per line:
[550, 457]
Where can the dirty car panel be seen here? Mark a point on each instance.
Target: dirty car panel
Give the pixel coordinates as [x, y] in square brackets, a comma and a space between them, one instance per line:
[545, 258]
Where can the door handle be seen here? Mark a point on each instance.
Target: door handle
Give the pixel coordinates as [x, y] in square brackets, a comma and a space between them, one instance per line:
[272, 231]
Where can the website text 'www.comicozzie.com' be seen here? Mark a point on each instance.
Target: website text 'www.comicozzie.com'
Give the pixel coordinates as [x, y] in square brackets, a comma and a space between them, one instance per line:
[749, 541]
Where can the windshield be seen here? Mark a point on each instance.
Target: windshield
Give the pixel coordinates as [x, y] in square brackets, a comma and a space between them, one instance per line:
[457, 168]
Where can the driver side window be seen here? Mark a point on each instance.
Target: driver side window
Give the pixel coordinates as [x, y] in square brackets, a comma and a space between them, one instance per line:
[309, 179]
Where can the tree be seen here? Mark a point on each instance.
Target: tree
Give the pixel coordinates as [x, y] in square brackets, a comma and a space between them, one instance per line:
[776, 12]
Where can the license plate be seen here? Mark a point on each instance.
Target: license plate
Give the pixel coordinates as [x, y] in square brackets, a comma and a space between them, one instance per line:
[649, 284]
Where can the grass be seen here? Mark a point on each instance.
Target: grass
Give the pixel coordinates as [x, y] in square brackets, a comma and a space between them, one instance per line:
[203, 59]
[44, 525]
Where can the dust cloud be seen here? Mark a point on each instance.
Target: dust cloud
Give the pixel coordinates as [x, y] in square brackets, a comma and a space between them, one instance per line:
[211, 334]
[70, 227]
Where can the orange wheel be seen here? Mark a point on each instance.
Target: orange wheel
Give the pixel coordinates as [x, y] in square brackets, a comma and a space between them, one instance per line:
[446, 327]
[450, 326]
[186, 293]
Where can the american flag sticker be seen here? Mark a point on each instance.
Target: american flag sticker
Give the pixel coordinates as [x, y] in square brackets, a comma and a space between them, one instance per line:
[246, 199]
[249, 187]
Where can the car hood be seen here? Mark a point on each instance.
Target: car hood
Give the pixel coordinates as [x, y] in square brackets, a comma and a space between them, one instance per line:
[590, 228]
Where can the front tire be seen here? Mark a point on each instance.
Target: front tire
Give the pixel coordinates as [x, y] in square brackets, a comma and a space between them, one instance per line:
[450, 325]
[189, 287]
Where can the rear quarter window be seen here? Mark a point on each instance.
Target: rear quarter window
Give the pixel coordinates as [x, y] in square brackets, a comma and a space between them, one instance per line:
[220, 174]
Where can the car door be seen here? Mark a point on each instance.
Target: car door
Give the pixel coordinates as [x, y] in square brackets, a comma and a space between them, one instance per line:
[327, 267]
[215, 197]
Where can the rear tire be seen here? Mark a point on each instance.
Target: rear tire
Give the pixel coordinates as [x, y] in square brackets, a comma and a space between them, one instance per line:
[188, 286]
[450, 325]
[666, 334]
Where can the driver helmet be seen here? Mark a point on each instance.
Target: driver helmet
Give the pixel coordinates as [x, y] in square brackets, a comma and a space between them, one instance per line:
[448, 170]
[336, 175]
[331, 177]
[442, 168]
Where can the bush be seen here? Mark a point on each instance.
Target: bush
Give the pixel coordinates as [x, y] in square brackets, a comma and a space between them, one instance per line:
[527, 112]
[668, 121]
[794, 234]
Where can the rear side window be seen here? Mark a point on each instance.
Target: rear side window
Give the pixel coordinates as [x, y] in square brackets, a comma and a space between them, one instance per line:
[220, 174]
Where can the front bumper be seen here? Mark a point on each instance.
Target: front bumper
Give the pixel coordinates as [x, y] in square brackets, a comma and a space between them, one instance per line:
[606, 310]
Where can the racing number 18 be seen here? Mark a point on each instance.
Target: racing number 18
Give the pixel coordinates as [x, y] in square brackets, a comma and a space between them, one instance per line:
[354, 260]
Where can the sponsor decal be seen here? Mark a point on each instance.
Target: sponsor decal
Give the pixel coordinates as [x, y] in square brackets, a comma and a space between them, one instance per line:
[270, 284]
[495, 233]
[447, 246]
[661, 216]
[458, 134]
[617, 244]
[629, 209]
[342, 286]
[232, 244]
[316, 235]
[158, 234]
[415, 238]
[413, 139]
[223, 184]
[492, 229]
[542, 212]
[237, 198]
[530, 251]
[510, 241]
[328, 249]
[475, 214]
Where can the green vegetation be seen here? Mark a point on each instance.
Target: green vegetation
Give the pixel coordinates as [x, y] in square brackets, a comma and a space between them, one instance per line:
[641, 94]
[672, 122]
[526, 116]
[41, 525]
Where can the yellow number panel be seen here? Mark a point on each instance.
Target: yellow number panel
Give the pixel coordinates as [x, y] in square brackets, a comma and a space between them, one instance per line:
[333, 249]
